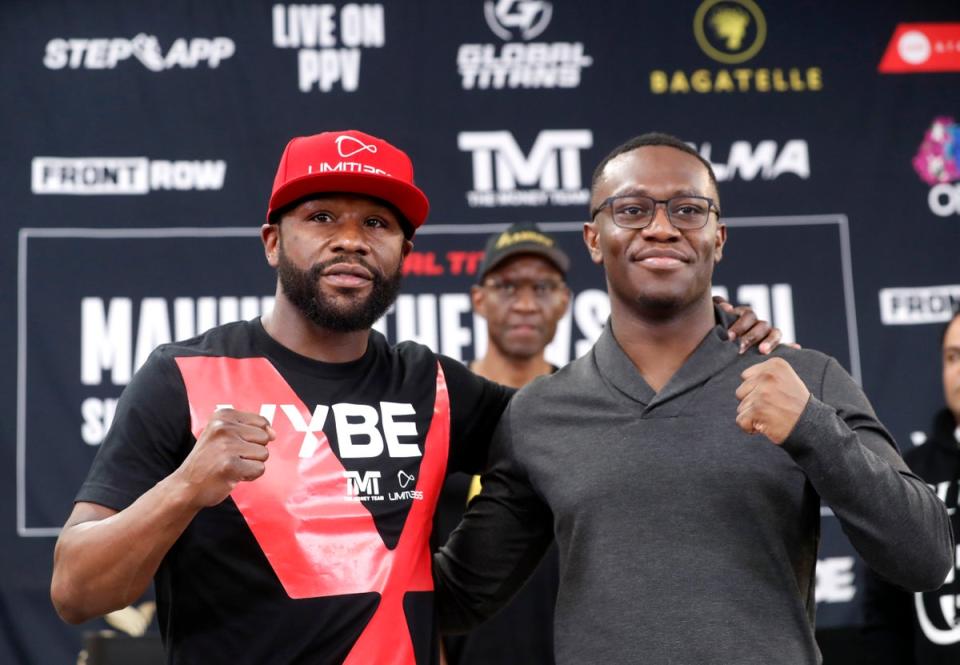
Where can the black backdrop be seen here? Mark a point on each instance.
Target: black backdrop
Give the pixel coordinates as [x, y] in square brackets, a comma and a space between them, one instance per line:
[140, 141]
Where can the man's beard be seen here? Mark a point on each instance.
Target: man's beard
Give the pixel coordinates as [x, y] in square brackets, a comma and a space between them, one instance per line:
[302, 289]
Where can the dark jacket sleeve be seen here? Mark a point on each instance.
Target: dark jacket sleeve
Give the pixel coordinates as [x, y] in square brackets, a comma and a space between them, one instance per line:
[896, 523]
[498, 544]
[887, 631]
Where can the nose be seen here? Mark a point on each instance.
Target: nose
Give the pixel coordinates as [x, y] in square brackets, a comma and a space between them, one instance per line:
[660, 227]
[350, 236]
[525, 299]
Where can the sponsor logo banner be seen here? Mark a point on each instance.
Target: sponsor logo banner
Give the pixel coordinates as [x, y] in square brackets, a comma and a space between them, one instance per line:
[107, 53]
[123, 175]
[329, 41]
[733, 32]
[549, 174]
[915, 305]
[93, 304]
[524, 63]
[937, 162]
[922, 47]
[766, 159]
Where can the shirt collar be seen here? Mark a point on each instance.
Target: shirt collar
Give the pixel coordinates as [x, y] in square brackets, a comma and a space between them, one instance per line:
[713, 353]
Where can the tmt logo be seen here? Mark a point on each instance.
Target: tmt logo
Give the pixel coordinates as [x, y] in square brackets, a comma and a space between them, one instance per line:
[504, 176]
[363, 486]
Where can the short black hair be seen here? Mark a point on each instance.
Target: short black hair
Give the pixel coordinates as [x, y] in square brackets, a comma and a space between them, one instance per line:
[405, 224]
[652, 139]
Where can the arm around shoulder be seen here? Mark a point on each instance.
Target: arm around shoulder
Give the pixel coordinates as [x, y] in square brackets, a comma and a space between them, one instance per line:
[499, 543]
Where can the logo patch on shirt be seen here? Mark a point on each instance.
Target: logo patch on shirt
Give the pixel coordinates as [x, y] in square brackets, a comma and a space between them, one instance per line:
[317, 543]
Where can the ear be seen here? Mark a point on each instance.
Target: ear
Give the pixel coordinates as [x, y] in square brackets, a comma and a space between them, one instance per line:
[591, 238]
[720, 239]
[405, 249]
[478, 297]
[270, 235]
[564, 298]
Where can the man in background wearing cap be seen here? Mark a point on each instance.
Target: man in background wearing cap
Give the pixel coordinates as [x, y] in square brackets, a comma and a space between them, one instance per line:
[321, 554]
[522, 294]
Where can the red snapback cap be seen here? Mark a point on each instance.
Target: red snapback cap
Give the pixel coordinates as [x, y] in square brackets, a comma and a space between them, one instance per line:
[350, 162]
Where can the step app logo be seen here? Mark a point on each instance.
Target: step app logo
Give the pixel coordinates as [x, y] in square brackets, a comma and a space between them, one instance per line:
[107, 53]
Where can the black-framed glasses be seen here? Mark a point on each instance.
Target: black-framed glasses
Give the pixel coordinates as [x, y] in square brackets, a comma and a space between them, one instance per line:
[636, 211]
[507, 290]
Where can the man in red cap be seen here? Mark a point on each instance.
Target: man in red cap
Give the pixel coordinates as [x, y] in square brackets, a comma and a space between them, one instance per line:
[319, 554]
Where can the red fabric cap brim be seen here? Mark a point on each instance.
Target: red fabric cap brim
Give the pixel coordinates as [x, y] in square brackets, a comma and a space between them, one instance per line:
[408, 199]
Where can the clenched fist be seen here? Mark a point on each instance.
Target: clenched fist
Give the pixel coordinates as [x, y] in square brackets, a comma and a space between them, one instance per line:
[232, 448]
[772, 397]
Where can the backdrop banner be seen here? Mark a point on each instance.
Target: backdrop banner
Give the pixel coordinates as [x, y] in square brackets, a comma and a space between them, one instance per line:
[140, 145]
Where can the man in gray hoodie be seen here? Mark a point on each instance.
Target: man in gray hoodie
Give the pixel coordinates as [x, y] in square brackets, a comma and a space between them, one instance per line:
[683, 481]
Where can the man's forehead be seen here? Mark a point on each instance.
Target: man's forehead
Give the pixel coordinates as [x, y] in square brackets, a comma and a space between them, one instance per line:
[525, 263]
[347, 199]
[952, 338]
[662, 167]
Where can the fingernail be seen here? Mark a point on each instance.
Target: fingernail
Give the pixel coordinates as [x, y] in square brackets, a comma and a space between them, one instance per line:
[743, 346]
[764, 348]
[731, 335]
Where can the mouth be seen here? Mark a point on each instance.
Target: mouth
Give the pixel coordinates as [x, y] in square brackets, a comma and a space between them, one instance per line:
[660, 259]
[524, 329]
[349, 275]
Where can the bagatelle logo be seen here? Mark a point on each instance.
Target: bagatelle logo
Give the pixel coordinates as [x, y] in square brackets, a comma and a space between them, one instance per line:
[732, 32]
[937, 162]
[767, 160]
[504, 176]
[107, 53]
[329, 41]
[123, 175]
[520, 64]
[915, 305]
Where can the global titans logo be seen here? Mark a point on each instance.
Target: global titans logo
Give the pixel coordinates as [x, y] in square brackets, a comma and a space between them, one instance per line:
[525, 63]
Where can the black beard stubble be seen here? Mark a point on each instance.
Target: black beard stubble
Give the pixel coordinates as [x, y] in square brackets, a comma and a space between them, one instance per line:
[302, 289]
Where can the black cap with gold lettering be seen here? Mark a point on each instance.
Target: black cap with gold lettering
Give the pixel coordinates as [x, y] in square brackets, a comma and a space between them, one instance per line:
[522, 238]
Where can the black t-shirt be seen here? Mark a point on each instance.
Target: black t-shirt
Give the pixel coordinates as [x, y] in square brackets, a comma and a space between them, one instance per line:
[328, 551]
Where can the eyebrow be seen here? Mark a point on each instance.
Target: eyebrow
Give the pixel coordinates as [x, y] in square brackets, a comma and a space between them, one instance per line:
[645, 192]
